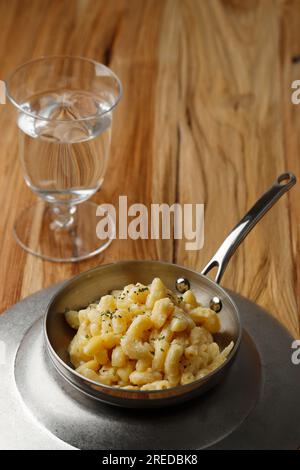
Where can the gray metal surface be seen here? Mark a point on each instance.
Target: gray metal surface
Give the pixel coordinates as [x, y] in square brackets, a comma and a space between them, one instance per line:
[18, 428]
[255, 406]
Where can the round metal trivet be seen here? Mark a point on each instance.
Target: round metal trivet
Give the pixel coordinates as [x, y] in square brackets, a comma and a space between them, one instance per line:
[256, 405]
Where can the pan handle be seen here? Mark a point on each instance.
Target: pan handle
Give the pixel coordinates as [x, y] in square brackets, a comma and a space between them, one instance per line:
[220, 259]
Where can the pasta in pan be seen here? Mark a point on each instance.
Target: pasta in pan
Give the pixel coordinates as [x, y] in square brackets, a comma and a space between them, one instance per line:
[145, 338]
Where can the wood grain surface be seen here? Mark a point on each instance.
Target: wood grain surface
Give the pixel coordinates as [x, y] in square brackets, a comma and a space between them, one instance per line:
[206, 116]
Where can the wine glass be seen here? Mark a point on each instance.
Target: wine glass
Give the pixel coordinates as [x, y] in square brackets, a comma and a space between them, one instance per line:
[64, 114]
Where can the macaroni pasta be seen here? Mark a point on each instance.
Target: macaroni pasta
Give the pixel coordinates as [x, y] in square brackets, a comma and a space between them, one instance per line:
[145, 338]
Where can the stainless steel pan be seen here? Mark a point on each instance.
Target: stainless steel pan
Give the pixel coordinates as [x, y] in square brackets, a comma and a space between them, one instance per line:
[89, 286]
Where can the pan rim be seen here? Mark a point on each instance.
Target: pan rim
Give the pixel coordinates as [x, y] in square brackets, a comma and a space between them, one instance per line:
[144, 394]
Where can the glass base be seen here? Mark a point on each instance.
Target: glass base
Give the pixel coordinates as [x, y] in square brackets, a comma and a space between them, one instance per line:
[37, 231]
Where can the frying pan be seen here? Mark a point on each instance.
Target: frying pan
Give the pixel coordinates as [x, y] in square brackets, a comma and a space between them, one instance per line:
[91, 285]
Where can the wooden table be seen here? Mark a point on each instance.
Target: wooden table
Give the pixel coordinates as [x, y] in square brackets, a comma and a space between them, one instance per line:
[206, 116]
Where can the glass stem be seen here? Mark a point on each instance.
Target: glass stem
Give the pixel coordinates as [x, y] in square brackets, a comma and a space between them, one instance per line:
[63, 216]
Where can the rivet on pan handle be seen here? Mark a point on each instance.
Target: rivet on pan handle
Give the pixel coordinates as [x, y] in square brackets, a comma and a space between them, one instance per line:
[282, 184]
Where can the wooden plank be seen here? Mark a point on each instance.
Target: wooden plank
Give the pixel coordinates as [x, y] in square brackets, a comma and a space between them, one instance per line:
[205, 117]
[232, 143]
